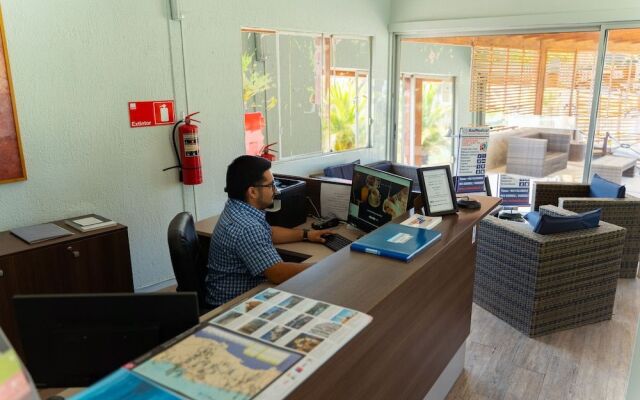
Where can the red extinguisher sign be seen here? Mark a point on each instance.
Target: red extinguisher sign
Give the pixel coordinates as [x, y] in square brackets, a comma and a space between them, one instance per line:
[151, 113]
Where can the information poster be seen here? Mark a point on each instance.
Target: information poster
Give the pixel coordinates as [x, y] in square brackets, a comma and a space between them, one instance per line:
[472, 159]
[514, 191]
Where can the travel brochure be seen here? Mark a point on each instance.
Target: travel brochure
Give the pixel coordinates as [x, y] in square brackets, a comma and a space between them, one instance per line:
[261, 349]
[15, 382]
[422, 221]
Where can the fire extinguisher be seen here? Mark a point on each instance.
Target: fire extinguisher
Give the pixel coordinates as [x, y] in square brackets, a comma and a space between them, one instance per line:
[265, 152]
[188, 155]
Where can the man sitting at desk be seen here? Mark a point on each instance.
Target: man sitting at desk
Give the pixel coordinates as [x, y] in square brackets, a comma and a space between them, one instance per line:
[242, 253]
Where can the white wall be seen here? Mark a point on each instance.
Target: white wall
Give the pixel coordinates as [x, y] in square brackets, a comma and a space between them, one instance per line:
[76, 64]
[213, 46]
[423, 10]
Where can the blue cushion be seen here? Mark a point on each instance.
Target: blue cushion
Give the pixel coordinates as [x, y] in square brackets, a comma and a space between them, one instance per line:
[344, 171]
[532, 218]
[605, 189]
[548, 224]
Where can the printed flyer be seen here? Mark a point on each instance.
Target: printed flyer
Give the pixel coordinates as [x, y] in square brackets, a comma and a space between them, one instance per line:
[472, 159]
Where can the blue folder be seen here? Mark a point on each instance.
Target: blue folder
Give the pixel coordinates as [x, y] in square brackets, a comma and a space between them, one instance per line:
[397, 241]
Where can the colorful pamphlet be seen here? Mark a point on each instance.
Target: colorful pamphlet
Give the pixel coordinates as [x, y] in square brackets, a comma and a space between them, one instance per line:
[422, 221]
[15, 382]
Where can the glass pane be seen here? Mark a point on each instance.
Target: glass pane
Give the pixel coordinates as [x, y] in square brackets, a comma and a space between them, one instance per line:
[533, 90]
[348, 112]
[300, 93]
[617, 139]
[259, 90]
[435, 112]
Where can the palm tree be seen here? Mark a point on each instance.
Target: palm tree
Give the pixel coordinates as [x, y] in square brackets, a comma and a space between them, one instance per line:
[342, 114]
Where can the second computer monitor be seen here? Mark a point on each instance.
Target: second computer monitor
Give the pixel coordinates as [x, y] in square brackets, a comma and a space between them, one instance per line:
[76, 339]
[376, 197]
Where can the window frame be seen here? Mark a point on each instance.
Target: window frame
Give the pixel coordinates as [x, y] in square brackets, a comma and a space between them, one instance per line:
[327, 41]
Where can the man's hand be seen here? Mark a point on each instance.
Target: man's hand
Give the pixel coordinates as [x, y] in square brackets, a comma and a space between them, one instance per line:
[316, 236]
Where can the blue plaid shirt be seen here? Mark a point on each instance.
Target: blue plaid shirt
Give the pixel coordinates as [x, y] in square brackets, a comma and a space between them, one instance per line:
[241, 250]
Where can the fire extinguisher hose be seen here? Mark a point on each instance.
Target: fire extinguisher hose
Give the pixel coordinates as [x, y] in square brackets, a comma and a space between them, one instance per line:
[175, 149]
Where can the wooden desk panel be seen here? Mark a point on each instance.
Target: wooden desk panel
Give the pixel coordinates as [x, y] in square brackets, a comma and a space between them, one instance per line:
[421, 312]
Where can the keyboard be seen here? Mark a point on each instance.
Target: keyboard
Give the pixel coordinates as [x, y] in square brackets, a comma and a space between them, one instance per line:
[335, 242]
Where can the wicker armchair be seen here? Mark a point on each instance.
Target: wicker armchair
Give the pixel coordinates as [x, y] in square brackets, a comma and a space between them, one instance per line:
[545, 283]
[622, 212]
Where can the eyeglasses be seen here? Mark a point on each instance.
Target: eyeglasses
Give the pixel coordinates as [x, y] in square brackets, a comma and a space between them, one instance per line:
[272, 185]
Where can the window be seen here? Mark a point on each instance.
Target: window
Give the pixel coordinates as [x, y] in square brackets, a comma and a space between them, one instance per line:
[305, 93]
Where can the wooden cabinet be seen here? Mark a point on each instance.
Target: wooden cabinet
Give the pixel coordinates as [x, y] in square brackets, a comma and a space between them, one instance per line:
[91, 262]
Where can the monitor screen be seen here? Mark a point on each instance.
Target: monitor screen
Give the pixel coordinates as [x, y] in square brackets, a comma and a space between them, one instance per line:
[376, 197]
[74, 340]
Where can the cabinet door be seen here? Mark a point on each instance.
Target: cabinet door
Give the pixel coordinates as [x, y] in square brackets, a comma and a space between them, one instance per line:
[6, 293]
[100, 264]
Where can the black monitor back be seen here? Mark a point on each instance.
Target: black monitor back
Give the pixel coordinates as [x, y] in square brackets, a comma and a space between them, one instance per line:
[74, 340]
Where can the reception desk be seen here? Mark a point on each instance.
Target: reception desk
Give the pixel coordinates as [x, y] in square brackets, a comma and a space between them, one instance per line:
[414, 347]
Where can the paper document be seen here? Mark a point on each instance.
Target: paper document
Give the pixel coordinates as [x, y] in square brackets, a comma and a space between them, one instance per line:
[334, 200]
[422, 221]
[87, 221]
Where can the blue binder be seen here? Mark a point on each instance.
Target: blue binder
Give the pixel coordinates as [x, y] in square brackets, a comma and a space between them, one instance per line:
[396, 241]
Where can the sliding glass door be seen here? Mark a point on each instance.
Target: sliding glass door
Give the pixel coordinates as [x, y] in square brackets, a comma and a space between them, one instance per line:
[533, 90]
[616, 147]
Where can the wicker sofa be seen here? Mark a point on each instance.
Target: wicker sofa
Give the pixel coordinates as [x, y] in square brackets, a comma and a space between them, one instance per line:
[622, 212]
[545, 283]
[538, 153]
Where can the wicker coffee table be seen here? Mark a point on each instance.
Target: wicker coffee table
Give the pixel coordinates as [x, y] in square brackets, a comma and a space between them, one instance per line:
[612, 168]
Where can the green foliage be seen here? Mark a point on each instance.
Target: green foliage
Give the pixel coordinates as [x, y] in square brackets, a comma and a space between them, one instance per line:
[342, 115]
[433, 122]
[254, 83]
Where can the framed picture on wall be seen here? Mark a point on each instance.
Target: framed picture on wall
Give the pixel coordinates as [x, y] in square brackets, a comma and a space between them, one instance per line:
[12, 166]
[437, 190]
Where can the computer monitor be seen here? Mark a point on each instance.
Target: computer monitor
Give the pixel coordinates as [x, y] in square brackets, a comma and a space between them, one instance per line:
[76, 339]
[376, 197]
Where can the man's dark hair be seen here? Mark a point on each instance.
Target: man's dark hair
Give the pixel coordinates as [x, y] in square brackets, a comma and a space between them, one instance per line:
[244, 172]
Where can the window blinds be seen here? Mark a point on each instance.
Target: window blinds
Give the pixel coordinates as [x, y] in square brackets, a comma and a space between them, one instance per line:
[504, 80]
[568, 85]
[619, 109]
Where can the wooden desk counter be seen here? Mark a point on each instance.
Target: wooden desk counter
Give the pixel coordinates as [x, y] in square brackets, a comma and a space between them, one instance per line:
[312, 252]
[421, 312]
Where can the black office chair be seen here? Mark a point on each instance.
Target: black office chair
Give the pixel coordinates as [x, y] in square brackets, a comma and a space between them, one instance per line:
[189, 266]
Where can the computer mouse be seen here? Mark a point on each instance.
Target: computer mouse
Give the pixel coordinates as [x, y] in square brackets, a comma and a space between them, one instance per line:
[325, 223]
[468, 203]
